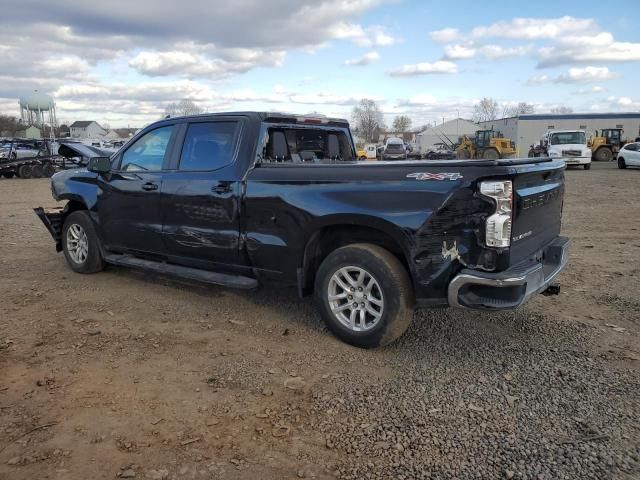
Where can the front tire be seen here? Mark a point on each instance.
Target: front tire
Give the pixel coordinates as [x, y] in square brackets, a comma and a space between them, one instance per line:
[621, 163]
[587, 166]
[604, 154]
[365, 295]
[80, 243]
[490, 154]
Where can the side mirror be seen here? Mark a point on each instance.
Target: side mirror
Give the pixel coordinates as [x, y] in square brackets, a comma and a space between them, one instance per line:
[99, 165]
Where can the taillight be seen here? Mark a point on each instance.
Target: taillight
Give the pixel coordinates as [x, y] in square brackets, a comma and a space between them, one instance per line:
[498, 225]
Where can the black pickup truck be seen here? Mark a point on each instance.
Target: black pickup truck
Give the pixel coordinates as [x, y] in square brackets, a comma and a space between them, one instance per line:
[242, 199]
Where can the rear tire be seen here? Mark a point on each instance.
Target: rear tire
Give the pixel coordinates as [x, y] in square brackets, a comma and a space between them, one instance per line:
[621, 163]
[80, 243]
[24, 171]
[48, 170]
[604, 154]
[372, 280]
[587, 166]
[37, 171]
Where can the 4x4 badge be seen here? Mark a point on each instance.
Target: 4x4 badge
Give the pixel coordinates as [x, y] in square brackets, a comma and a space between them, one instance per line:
[435, 176]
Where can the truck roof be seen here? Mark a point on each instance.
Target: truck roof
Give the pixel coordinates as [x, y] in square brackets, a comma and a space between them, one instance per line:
[277, 117]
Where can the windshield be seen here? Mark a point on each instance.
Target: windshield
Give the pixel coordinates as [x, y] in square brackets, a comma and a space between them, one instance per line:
[564, 138]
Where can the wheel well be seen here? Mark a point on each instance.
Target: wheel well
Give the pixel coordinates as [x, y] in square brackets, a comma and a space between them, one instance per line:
[328, 239]
[73, 205]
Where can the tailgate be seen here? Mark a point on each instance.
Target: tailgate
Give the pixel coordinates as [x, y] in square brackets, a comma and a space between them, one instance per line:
[538, 198]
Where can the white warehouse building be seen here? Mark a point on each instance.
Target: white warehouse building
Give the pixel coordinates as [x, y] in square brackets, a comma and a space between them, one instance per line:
[527, 130]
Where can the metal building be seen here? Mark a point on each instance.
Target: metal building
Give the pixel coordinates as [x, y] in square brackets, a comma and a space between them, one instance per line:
[527, 130]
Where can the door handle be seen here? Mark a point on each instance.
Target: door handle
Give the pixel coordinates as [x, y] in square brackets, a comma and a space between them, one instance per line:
[221, 187]
[149, 186]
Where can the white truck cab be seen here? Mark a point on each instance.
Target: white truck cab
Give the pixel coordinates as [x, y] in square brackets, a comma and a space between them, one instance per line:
[570, 145]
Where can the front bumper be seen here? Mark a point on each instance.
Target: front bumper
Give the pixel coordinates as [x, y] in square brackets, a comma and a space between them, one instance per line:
[511, 288]
[52, 219]
[576, 160]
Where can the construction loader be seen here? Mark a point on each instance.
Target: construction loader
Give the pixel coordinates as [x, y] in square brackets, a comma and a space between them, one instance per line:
[607, 144]
[487, 144]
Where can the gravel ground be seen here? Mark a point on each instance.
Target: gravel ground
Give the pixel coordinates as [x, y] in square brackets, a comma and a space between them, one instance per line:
[126, 375]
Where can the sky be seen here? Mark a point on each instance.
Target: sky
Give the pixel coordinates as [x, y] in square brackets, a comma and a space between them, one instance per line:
[121, 62]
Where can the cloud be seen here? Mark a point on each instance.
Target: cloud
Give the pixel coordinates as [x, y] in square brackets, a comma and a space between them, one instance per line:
[439, 67]
[190, 64]
[366, 59]
[373, 36]
[619, 104]
[497, 52]
[459, 52]
[490, 52]
[590, 90]
[535, 28]
[586, 75]
[538, 80]
[445, 35]
[575, 50]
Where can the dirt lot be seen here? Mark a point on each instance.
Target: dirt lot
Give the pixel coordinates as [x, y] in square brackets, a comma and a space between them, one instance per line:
[121, 374]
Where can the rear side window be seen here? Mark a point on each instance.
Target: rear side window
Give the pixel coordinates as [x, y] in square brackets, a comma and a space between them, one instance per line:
[208, 146]
[147, 153]
[307, 145]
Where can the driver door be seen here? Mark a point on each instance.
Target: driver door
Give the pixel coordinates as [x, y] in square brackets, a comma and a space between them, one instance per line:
[129, 204]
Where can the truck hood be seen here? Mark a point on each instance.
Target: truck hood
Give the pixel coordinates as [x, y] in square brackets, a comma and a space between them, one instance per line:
[86, 152]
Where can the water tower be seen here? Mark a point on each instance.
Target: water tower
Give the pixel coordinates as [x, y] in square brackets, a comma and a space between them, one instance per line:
[38, 109]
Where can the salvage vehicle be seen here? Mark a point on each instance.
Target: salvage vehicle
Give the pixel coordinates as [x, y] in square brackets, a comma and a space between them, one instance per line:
[394, 149]
[570, 145]
[238, 200]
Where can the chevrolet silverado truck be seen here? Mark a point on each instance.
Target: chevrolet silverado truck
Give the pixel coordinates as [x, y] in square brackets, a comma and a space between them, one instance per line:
[242, 199]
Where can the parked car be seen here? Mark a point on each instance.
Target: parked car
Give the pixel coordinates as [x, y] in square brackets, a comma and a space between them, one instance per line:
[229, 199]
[21, 149]
[394, 149]
[439, 151]
[629, 155]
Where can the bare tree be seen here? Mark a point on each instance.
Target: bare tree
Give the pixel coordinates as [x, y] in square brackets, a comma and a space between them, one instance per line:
[401, 124]
[367, 118]
[485, 110]
[562, 109]
[181, 108]
[522, 108]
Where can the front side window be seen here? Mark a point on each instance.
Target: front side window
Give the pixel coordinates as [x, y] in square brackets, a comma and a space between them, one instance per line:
[208, 146]
[147, 153]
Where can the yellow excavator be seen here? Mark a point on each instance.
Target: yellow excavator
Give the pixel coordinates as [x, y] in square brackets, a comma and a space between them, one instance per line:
[607, 144]
[487, 144]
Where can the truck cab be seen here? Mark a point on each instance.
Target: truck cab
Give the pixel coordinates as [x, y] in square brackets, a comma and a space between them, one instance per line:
[570, 146]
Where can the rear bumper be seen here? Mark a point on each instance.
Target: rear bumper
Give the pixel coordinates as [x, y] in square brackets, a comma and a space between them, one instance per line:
[511, 288]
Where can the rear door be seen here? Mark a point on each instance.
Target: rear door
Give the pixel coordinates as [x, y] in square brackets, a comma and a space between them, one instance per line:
[201, 195]
[129, 203]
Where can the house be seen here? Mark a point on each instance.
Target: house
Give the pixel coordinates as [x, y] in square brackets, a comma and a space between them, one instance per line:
[29, 132]
[87, 129]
